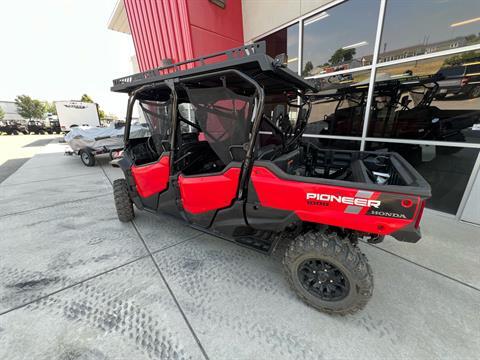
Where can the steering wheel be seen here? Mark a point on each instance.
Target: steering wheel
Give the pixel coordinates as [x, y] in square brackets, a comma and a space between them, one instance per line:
[151, 146]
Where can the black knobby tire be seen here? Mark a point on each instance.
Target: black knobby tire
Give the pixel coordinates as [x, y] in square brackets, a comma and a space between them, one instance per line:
[123, 203]
[474, 92]
[87, 157]
[335, 253]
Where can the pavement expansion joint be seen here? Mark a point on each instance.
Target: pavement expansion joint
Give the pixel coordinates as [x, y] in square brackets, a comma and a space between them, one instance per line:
[187, 322]
[43, 180]
[74, 284]
[53, 205]
[425, 267]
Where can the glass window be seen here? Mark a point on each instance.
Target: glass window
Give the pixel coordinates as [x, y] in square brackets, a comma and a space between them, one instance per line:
[436, 99]
[420, 27]
[339, 108]
[340, 38]
[284, 41]
[447, 170]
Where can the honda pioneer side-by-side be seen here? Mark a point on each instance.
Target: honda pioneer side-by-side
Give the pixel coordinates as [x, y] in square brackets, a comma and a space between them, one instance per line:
[225, 152]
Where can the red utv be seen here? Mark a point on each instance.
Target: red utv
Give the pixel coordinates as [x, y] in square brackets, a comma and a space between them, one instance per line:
[225, 153]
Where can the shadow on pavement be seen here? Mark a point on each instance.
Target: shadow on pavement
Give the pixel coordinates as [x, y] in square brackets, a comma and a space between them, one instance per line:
[10, 166]
[36, 143]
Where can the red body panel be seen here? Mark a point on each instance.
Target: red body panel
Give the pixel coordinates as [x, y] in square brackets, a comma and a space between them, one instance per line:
[206, 193]
[278, 193]
[151, 179]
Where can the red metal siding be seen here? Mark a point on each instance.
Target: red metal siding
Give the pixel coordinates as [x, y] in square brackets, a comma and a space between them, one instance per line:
[160, 30]
[207, 42]
[182, 29]
[225, 22]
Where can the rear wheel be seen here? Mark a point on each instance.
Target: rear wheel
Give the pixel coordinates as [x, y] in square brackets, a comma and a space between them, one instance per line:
[123, 203]
[328, 273]
[87, 157]
[474, 93]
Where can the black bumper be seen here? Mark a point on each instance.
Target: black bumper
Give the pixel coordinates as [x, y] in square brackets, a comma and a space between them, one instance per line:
[410, 235]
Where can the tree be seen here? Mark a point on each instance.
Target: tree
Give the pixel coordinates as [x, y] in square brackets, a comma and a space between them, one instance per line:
[50, 108]
[2, 114]
[342, 55]
[88, 99]
[470, 56]
[101, 113]
[308, 67]
[29, 108]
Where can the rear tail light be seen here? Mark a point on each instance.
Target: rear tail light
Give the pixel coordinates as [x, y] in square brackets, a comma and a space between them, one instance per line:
[464, 81]
[420, 214]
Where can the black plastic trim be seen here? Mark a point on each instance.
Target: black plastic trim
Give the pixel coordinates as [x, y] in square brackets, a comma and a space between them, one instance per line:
[420, 187]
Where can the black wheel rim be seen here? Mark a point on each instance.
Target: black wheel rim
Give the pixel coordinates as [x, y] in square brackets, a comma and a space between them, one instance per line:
[323, 280]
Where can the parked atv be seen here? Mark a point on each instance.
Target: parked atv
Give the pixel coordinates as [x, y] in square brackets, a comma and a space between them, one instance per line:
[21, 127]
[4, 128]
[11, 127]
[204, 161]
[36, 127]
[52, 126]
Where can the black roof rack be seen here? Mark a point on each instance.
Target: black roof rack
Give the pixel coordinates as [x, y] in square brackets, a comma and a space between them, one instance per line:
[250, 59]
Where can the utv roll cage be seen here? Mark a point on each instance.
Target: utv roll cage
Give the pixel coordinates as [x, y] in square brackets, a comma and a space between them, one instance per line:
[248, 63]
[250, 59]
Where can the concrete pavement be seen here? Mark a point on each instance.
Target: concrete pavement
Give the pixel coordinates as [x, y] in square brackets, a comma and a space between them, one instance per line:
[16, 150]
[75, 283]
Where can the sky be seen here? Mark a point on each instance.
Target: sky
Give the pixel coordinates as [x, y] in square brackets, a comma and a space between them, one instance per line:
[60, 49]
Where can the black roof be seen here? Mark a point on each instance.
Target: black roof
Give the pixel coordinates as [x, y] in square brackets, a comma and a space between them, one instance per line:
[250, 59]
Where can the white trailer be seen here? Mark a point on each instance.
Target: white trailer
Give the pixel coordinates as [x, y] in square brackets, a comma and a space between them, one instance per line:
[77, 113]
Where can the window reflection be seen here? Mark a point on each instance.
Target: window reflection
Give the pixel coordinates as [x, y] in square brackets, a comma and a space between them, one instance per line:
[447, 170]
[414, 28]
[332, 143]
[330, 44]
[284, 41]
[339, 108]
[436, 99]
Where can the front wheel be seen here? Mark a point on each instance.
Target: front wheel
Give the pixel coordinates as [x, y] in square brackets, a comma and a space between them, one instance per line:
[328, 272]
[123, 203]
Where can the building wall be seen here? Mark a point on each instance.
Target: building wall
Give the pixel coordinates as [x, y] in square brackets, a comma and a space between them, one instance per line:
[213, 28]
[182, 29]
[10, 110]
[261, 16]
[160, 30]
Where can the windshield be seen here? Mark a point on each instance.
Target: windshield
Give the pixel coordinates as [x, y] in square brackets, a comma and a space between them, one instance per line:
[224, 118]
